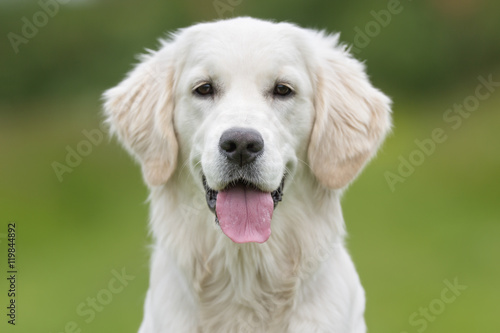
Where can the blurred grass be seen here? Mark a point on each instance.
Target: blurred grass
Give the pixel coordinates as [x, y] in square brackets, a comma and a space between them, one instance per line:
[442, 223]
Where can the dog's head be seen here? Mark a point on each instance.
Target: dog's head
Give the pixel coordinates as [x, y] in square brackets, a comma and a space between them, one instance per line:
[246, 104]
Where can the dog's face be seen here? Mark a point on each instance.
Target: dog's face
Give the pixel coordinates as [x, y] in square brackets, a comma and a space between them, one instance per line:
[236, 108]
[245, 104]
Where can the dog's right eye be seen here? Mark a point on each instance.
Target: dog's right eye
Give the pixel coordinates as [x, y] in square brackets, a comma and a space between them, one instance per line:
[205, 90]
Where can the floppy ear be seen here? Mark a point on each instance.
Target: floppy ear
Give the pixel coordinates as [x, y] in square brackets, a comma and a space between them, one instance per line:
[351, 120]
[139, 111]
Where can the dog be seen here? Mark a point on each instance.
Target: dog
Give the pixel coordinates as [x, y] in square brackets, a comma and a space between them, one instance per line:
[247, 132]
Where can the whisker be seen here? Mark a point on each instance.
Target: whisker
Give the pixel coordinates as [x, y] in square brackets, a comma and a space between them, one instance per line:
[305, 163]
[185, 165]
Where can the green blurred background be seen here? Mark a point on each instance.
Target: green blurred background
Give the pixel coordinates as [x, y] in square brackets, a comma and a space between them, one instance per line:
[439, 221]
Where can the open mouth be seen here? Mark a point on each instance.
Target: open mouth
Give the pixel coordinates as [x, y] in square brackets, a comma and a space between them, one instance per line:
[243, 211]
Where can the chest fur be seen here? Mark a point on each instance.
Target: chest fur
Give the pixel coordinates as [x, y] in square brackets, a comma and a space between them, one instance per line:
[245, 290]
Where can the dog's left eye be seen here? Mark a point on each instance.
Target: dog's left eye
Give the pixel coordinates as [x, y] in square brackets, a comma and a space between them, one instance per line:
[282, 90]
[205, 90]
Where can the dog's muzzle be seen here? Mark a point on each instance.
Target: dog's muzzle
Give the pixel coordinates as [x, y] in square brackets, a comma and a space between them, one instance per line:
[242, 210]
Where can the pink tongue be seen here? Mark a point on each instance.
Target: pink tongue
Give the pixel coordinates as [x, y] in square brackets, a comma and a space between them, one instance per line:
[245, 214]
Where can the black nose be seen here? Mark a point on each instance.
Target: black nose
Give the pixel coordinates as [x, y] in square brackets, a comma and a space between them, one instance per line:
[241, 145]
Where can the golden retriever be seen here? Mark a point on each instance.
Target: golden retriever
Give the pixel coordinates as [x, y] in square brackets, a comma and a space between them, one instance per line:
[247, 132]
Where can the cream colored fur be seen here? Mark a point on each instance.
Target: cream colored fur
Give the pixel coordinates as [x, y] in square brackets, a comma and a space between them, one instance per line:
[302, 279]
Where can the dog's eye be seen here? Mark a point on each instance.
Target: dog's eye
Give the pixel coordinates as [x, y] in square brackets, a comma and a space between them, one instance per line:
[205, 90]
[282, 90]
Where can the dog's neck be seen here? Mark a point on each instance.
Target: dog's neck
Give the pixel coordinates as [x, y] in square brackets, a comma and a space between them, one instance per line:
[259, 276]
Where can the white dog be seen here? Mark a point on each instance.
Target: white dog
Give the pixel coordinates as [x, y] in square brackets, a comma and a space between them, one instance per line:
[247, 132]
